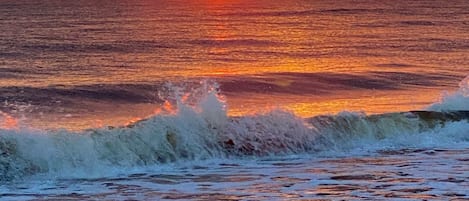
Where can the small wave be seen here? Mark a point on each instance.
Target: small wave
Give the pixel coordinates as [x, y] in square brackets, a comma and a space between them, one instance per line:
[324, 83]
[122, 47]
[273, 13]
[418, 23]
[52, 95]
[234, 42]
[352, 11]
[394, 65]
[197, 128]
[305, 13]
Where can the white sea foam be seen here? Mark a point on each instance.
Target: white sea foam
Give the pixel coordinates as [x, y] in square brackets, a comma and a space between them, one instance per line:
[200, 130]
[458, 100]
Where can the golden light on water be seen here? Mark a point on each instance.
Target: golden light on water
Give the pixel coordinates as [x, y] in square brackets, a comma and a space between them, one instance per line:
[360, 101]
[233, 40]
[7, 121]
[233, 99]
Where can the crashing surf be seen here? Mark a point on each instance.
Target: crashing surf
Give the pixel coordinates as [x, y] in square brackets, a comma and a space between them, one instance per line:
[196, 127]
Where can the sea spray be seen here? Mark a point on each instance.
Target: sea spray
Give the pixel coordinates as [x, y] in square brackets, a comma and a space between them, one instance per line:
[197, 128]
[458, 100]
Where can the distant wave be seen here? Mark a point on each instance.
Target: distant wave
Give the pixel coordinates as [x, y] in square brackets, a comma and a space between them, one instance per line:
[199, 129]
[305, 12]
[418, 23]
[40, 96]
[130, 46]
[297, 83]
[234, 42]
[324, 83]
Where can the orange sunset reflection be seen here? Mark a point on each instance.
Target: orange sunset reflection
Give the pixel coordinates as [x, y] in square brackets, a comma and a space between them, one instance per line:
[232, 41]
[7, 121]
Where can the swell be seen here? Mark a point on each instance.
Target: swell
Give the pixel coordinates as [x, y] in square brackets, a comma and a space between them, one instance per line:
[121, 47]
[306, 13]
[304, 84]
[132, 93]
[325, 83]
[234, 42]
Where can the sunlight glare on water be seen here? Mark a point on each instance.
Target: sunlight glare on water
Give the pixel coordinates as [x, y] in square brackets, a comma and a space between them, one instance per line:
[234, 100]
[295, 52]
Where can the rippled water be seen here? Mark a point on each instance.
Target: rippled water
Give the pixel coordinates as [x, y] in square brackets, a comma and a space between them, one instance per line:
[77, 61]
[234, 100]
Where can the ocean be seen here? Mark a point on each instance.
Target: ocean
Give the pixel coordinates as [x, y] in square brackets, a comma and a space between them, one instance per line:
[234, 100]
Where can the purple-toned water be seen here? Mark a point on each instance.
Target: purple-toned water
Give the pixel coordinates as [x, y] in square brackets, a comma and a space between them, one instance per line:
[234, 100]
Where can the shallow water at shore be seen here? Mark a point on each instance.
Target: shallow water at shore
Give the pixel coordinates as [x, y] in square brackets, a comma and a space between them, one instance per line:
[407, 174]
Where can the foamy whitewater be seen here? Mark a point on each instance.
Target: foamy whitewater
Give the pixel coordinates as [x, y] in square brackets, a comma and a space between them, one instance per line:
[197, 152]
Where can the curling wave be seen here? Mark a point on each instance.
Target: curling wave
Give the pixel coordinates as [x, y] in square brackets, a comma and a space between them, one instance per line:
[200, 129]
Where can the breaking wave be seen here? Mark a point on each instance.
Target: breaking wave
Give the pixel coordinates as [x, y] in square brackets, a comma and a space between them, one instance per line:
[458, 100]
[196, 127]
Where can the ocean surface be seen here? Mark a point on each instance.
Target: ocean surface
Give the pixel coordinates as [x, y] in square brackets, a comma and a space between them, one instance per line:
[234, 100]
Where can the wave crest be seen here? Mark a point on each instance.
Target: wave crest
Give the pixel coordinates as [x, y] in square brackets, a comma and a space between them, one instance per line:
[196, 127]
[458, 100]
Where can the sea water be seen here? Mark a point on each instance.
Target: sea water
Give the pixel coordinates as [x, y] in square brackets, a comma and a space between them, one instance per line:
[234, 100]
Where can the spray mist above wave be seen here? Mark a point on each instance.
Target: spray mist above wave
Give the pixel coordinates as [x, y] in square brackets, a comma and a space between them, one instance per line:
[193, 125]
[458, 100]
[179, 132]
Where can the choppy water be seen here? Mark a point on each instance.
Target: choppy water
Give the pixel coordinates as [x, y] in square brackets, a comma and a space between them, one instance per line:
[77, 61]
[234, 100]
